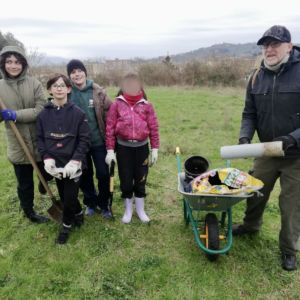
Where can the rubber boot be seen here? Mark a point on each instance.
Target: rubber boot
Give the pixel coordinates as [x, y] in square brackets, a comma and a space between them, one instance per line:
[139, 206]
[128, 211]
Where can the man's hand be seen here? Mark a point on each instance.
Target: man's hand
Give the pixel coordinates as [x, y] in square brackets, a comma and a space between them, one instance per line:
[287, 141]
[110, 156]
[244, 140]
[9, 114]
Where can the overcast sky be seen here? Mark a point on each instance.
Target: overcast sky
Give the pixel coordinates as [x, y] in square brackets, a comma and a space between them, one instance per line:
[127, 29]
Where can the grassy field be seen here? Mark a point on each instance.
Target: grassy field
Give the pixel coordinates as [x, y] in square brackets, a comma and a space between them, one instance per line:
[109, 260]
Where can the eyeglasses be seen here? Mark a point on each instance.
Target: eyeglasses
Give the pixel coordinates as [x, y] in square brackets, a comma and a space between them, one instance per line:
[57, 86]
[273, 45]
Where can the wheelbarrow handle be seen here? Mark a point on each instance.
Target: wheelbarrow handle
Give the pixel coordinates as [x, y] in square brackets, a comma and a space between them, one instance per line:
[28, 154]
[177, 152]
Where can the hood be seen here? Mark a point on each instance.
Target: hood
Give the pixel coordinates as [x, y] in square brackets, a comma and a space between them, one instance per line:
[295, 54]
[20, 51]
[50, 105]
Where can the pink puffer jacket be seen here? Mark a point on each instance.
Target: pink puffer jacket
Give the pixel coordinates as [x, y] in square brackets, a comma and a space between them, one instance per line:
[131, 123]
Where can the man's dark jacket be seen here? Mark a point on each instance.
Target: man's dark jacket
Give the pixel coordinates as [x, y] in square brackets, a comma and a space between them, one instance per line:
[272, 106]
[63, 133]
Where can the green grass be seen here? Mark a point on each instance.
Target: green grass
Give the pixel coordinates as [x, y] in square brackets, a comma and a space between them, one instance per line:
[109, 260]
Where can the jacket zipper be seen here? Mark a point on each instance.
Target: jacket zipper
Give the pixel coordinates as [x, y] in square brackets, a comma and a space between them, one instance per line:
[272, 105]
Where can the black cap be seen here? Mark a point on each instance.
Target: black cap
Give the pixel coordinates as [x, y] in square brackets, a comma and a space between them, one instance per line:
[276, 32]
[75, 64]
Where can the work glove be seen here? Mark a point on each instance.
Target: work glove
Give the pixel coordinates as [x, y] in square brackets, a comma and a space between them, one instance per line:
[9, 114]
[50, 167]
[71, 168]
[244, 140]
[154, 157]
[110, 156]
[287, 141]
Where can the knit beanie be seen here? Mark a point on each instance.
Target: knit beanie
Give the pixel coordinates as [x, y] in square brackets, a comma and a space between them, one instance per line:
[75, 64]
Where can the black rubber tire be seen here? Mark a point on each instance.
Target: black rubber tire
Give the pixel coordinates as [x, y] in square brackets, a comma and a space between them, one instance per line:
[212, 224]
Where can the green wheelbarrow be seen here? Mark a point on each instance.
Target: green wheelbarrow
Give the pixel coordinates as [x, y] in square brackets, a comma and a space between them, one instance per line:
[194, 204]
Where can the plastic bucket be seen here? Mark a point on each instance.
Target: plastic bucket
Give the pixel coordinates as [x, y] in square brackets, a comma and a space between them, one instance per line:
[195, 166]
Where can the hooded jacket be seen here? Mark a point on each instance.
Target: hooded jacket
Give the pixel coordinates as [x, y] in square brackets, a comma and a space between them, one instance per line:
[138, 122]
[63, 133]
[272, 106]
[26, 96]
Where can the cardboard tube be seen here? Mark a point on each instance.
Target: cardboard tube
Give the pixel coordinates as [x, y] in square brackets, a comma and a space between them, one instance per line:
[271, 149]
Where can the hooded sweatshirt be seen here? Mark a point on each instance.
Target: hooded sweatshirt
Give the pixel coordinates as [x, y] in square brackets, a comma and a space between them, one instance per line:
[26, 96]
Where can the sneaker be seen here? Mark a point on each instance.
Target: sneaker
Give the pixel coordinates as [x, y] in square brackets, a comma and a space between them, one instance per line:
[289, 262]
[35, 218]
[240, 229]
[106, 214]
[89, 211]
[41, 189]
[63, 235]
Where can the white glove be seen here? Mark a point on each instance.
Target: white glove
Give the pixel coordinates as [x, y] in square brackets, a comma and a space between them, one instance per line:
[154, 157]
[110, 156]
[50, 167]
[71, 168]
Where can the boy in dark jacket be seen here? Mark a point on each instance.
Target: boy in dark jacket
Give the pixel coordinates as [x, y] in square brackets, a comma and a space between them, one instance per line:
[63, 138]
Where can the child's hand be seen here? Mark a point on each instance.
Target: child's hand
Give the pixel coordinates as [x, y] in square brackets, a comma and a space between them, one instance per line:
[154, 157]
[50, 167]
[110, 156]
[71, 168]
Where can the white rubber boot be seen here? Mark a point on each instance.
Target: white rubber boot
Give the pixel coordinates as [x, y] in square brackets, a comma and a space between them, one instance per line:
[139, 205]
[128, 211]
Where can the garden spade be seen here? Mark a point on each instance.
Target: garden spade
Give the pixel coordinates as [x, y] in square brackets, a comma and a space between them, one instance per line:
[55, 211]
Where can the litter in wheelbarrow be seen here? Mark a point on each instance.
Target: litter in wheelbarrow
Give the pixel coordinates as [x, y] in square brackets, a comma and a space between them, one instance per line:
[228, 181]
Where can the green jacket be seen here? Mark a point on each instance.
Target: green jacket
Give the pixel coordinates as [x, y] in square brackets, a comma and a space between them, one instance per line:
[26, 96]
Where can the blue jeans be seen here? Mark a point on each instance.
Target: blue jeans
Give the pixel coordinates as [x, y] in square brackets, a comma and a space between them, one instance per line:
[96, 157]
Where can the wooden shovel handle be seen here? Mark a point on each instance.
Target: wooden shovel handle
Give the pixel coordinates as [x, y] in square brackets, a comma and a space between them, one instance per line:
[28, 154]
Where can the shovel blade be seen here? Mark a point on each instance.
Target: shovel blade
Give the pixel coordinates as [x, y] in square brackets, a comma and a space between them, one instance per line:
[55, 212]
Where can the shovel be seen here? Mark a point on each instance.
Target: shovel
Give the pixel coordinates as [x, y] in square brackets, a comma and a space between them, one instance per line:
[55, 211]
[111, 186]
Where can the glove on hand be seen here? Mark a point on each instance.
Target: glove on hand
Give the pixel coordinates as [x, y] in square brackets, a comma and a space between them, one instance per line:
[110, 156]
[287, 141]
[244, 140]
[71, 168]
[154, 157]
[50, 167]
[9, 114]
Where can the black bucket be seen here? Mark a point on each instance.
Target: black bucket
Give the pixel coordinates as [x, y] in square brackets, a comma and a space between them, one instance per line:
[195, 166]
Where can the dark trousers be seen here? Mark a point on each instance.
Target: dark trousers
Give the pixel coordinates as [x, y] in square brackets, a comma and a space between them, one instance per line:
[96, 157]
[24, 174]
[68, 193]
[133, 170]
[287, 170]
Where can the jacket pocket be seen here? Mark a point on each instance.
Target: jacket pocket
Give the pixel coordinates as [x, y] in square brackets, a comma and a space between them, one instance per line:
[60, 143]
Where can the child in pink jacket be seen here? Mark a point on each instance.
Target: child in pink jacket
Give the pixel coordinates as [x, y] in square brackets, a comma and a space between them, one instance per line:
[131, 121]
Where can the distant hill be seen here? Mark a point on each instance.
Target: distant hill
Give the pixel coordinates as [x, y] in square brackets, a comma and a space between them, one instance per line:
[224, 49]
[53, 60]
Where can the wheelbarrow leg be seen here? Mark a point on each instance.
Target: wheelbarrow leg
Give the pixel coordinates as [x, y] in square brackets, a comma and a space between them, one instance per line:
[185, 213]
[223, 218]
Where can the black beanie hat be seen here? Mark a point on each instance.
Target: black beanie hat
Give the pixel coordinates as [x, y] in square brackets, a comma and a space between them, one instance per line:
[75, 64]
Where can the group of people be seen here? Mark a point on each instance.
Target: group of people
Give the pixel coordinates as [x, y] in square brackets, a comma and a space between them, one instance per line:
[80, 128]
[74, 131]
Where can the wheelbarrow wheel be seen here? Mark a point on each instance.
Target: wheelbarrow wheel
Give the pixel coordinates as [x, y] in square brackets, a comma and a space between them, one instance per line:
[212, 235]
